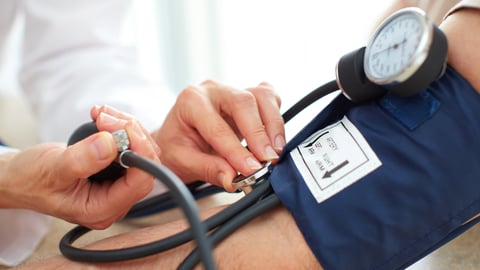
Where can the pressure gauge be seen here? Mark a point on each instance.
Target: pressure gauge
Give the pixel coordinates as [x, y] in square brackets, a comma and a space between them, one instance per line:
[406, 53]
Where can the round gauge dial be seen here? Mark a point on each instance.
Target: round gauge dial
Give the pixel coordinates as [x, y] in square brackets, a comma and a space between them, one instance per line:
[400, 44]
[405, 55]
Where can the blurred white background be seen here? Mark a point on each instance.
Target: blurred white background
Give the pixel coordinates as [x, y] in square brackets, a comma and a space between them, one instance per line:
[293, 45]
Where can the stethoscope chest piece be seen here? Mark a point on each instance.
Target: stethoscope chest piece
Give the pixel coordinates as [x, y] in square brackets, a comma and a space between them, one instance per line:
[247, 183]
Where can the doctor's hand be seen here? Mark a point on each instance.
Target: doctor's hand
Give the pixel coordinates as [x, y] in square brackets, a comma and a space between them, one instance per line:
[52, 179]
[202, 134]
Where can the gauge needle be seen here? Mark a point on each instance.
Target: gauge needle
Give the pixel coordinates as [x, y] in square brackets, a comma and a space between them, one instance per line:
[394, 46]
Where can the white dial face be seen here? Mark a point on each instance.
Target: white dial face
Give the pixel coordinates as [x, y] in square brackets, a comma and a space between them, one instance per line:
[395, 48]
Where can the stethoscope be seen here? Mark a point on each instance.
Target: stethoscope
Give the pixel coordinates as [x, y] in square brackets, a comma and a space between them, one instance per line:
[259, 196]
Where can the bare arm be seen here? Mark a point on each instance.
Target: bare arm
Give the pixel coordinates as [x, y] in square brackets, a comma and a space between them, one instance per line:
[276, 233]
[271, 241]
[463, 31]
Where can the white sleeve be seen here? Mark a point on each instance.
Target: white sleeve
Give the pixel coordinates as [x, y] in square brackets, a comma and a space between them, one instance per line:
[20, 231]
[74, 56]
[6, 149]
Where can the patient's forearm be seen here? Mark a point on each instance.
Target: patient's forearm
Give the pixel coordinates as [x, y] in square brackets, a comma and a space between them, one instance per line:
[271, 241]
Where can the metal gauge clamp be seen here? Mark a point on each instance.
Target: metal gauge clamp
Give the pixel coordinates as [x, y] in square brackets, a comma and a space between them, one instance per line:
[406, 54]
[247, 183]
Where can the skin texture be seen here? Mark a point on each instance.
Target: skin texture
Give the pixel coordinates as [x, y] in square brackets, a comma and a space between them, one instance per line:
[273, 241]
[51, 178]
[56, 184]
[214, 150]
[248, 248]
[463, 32]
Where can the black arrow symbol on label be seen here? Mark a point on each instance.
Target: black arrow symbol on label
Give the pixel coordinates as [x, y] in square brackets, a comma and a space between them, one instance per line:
[336, 168]
[316, 139]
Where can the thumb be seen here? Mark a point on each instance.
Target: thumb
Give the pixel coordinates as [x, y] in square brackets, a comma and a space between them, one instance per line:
[88, 156]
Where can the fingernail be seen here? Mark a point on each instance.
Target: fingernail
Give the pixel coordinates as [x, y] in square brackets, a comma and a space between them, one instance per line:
[138, 131]
[221, 178]
[270, 154]
[107, 119]
[96, 107]
[253, 163]
[279, 142]
[102, 147]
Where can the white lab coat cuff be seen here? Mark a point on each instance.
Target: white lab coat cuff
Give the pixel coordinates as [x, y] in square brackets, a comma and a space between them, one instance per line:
[20, 233]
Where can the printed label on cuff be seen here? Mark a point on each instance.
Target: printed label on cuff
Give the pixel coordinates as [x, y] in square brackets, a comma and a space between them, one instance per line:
[334, 158]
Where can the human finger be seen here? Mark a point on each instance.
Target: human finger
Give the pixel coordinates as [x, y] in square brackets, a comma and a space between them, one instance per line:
[242, 107]
[269, 108]
[200, 165]
[97, 109]
[108, 201]
[195, 107]
[87, 156]
[112, 123]
[136, 184]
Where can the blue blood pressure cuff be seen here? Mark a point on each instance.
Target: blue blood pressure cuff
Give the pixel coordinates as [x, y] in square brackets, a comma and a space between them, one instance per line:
[381, 184]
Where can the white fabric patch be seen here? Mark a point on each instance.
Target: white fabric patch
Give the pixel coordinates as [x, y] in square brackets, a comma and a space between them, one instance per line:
[334, 158]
